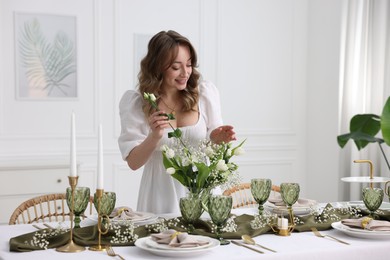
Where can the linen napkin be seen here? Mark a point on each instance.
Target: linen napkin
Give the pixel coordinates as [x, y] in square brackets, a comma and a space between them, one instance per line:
[368, 224]
[126, 213]
[276, 199]
[177, 239]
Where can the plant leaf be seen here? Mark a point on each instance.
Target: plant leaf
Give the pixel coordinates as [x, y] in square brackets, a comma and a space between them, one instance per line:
[203, 173]
[363, 128]
[385, 122]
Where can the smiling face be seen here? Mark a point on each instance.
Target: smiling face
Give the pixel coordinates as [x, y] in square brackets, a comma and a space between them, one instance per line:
[175, 77]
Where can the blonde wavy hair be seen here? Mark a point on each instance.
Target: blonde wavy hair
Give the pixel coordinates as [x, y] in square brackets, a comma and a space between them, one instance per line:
[162, 51]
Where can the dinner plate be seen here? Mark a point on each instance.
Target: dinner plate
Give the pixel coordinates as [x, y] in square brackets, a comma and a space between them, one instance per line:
[141, 243]
[361, 233]
[148, 218]
[151, 243]
[298, 210]
[360, 204]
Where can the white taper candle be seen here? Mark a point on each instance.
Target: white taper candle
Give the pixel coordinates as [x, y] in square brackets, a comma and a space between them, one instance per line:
[100, 160]
[73, 164]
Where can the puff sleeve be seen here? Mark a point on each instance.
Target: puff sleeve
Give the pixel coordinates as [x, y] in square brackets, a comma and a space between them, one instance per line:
[210, 105]
[134, 128]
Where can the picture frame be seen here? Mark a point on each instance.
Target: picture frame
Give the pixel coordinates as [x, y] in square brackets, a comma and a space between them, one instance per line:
[45, 56]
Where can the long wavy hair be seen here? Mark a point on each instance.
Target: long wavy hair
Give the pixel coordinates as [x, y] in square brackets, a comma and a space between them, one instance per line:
[162, 51]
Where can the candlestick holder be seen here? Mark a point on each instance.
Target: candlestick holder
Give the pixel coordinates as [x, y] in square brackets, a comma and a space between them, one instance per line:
[98, 196]
[71, 247]
[284, 231]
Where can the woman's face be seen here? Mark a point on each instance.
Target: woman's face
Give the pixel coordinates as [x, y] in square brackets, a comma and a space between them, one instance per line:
[177, 74]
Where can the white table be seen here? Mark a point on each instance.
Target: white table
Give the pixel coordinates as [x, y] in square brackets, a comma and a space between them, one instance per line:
[297, 246]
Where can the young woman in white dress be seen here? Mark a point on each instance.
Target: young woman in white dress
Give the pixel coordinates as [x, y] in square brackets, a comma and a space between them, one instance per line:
[169, 72]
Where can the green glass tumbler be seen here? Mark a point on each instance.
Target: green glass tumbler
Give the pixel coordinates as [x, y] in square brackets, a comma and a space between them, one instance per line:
[107, 203]
[81, 200]
[219, 209]
[261, 189]
[372, 198]
[289, 193]
[191, 210]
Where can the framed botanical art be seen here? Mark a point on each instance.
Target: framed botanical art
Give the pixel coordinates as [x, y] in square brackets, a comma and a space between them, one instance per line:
[45, 56]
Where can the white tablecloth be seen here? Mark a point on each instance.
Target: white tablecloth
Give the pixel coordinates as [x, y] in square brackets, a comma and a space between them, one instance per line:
[297, 246]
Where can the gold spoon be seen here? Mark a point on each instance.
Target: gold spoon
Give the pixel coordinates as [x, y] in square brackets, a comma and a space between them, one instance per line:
[248, 240]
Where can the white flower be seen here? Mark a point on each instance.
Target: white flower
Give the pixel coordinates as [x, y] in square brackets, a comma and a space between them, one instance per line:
[209, 152]
[229, 152]
[221, 166]
[164, 147]
[170, 153]
[152, 97]
[171, 170]
[239, 151]
[185, 162]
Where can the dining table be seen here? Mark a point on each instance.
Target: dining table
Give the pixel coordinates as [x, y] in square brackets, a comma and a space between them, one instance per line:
[298, 245]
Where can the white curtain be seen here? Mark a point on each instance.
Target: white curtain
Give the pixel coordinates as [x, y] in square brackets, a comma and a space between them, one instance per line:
[364, 83]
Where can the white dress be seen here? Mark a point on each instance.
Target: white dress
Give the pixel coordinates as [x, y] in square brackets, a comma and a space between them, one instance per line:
[159, 192]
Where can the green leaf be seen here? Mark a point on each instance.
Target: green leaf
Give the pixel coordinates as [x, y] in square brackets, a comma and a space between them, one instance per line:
[363, 128]
[385, 122]
[203, 173]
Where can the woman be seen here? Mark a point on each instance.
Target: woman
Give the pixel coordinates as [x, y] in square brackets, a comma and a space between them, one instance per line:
[169, 72]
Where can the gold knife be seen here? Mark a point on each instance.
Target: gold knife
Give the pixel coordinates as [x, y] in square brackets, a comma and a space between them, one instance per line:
[246, 246]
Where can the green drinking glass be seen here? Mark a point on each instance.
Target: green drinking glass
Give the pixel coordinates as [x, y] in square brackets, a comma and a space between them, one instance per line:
[81, 199]
[107, 203]
[289, 193]
[191, 210]
[219, 209]
[261, 189]
[372, 198]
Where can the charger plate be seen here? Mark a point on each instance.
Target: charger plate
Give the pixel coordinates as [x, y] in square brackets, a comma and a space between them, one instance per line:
[142, 244]
[361, 233]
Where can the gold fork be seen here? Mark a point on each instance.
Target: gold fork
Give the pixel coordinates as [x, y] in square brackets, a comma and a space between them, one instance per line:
[111, 252]
[318, 234]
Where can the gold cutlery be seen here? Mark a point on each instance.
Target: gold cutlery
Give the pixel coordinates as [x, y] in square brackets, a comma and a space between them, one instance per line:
[248, 240]
[246, 246]
[318, 234]
[111, 252]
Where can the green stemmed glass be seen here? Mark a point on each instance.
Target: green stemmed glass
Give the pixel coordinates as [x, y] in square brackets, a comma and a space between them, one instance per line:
[191, 210]
[81, 199]
[261, 189]
[290, 195]
[107, 205]
[219, 209]
[372, 198]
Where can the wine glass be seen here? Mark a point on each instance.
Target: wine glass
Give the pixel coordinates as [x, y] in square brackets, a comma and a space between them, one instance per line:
[372, 198]
[219, 209]
[261, 189]
[191, 210]
[290, 195]
[80, 202]
[107, 205]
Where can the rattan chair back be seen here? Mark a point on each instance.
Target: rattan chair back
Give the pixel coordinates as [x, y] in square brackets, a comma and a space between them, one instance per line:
[45, 208]
[242, 195]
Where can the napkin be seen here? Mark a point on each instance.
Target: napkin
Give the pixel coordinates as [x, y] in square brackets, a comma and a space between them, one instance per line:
[126, 213]
[276, 199]
[368, 224]
[177, 239]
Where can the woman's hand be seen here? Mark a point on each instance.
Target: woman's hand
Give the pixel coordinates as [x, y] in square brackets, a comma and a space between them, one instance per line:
[223, 133]
[158, 121]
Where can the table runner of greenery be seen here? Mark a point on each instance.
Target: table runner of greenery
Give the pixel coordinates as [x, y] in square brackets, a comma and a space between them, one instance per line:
[125, 234]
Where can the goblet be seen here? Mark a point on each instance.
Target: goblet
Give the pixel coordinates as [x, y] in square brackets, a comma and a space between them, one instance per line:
[372, 198]
[219, 209]
[107, 205]
[290, 195]
[261, 189]
[81, 199]
[191, 210]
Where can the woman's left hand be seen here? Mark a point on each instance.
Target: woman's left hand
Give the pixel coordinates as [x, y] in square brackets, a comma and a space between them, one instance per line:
[223, 133]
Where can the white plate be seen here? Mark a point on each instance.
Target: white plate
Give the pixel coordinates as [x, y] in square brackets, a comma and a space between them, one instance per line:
[151, 243]
[141, 243]
[298, 210]
[147, 219]
[360, 203]
[363, 179]
[361, 233]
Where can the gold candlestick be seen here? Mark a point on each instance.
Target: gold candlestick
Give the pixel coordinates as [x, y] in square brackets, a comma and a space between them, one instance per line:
[71, 247]
[99, 247]
[285, 232]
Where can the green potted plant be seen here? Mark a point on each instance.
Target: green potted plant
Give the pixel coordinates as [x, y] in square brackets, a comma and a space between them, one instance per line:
[365, 127]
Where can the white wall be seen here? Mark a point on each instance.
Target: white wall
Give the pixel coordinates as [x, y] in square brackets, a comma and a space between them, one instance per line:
[274, 62]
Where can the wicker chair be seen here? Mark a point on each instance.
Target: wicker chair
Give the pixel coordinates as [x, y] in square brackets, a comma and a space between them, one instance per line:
[242, 196]
[45, 208]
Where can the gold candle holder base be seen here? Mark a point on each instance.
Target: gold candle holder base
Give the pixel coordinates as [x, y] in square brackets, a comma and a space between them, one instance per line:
[99, 247]
[71, 247]
[282, 232]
